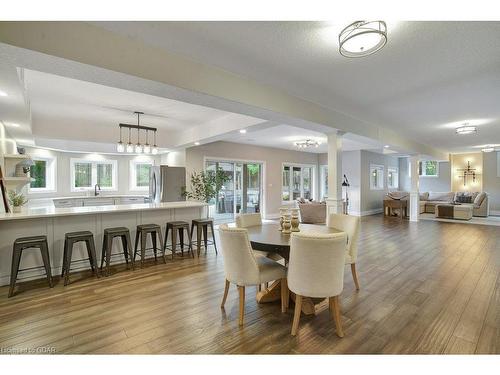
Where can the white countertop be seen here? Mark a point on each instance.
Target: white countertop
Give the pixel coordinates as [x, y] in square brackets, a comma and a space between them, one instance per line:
[47, 212]
[101, 196]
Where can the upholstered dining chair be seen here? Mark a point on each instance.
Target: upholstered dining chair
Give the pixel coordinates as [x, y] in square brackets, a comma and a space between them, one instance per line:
[350, 225]
[243, 268]
[316, 269]
[248, 220]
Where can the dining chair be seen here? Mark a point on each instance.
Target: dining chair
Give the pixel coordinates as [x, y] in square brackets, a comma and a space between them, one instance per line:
[243, 268]
[316, 269]
[248, 220]
[350, 225]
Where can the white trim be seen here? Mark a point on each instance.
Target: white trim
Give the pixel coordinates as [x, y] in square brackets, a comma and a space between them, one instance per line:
[393, 170]
[375, 211]
[495, 213]
[378, 167]
[50, 176]
[430, 176]
[94, 163]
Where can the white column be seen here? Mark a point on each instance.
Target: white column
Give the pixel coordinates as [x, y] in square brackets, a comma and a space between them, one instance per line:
[334, 201]
[414, 193]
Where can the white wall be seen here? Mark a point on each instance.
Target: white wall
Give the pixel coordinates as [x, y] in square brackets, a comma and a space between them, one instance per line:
[272, 157]
[441, 183]
[491, 180]
[174, 158]
[63, 180]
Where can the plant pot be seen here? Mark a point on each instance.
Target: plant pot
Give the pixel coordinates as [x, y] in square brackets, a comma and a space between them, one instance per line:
[211, 210]
[16, 209]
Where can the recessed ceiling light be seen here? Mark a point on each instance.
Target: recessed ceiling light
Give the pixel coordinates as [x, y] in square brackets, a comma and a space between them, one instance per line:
[196, 143]
[243, 131]
[386, 146]
[488, 149]
[362, 38]
[12, 124]
[3, 93]
[466, 129]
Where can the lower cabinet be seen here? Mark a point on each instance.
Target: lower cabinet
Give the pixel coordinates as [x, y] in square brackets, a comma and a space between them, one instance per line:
[97, 201]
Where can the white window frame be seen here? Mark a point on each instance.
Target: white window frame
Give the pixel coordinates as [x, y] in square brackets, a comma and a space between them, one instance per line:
[393, 170]
[323, 170]
[94, 163]
[380, 179]
[133, 174]
[423, 169]
[313, 180]
[50, 176]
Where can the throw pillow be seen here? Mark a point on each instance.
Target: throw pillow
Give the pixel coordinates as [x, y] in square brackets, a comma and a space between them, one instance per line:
[479, 199]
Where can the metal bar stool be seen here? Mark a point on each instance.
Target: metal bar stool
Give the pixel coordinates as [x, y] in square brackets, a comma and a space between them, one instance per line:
[154, 230]
[107, 244]
[69, 240]
[178, 227]
[20, 244]
[202, 226]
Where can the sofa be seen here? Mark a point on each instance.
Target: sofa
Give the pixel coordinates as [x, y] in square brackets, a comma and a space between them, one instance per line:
[429, 201]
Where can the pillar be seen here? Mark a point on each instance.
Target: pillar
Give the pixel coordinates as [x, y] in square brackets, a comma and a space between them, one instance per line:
[414, 190]
[334, 200]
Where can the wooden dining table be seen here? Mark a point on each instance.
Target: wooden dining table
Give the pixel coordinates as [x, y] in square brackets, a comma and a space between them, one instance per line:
[267, 237]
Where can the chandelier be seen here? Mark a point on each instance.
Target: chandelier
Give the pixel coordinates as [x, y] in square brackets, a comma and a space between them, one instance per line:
[467, 172]
[138, 148]
[362, 38]
[307, 143]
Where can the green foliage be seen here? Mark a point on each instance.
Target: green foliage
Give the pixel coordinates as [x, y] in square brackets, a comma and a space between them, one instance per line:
[38, 172]
[17, 199]
[205, 185]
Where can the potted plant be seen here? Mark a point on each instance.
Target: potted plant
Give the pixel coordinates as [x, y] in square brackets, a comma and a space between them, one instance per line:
[17, 200]
[205, 186]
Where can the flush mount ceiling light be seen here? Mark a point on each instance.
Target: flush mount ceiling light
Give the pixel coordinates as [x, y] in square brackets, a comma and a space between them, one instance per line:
[243, 131]
[466, 129]
[138, 148]
[488, 149]
[307, 143]
[3, 93]
[362, 38]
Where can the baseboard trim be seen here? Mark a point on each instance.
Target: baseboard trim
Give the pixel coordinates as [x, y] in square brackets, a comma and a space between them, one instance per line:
[494, 213]
[367, 213]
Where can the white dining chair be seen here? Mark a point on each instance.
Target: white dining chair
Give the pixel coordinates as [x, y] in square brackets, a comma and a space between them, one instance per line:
[248, 220]
[350, 225]
[316, 269]
[243, 268]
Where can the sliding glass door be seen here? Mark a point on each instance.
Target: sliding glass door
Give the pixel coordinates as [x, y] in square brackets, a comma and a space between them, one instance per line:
[241, 193]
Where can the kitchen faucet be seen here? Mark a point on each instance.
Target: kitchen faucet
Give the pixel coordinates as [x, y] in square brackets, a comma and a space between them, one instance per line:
[95, 189]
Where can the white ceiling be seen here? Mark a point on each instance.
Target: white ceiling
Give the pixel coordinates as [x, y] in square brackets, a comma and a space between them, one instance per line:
[69, 109]
[285, 136]
[430, 73]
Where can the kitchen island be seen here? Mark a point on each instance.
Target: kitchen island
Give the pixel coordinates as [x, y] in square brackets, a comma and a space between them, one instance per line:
[54, 222]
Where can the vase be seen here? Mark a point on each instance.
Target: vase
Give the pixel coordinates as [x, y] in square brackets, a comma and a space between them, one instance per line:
[286, 224]
[283, 212]
[295, 219]
[16, 209]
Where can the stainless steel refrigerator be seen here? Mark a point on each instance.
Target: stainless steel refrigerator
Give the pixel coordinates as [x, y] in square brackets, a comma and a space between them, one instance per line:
[167, 184]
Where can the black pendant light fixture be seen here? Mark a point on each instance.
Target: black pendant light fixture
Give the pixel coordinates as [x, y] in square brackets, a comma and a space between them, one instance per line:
[138, 148]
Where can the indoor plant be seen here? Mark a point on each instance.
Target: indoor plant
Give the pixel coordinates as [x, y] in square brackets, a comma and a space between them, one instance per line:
[17, 200]
[205, 186]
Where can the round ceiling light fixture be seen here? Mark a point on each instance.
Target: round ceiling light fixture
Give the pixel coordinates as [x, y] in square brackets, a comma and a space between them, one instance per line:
[362, 38]
[307, 143]
[466, 129]
[488, 149]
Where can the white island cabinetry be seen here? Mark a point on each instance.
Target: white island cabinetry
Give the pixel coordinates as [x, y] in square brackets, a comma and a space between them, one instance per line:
[55, 222]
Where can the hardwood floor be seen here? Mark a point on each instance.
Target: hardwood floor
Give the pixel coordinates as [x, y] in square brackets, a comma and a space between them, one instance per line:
[425, 288]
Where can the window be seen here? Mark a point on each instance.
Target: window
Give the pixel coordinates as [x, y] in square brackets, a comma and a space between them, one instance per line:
[324, 182]
[297, 182]
[392, 178]
[44, 173]
[376, 177]
[428, 168]
[139, 175]
[85, 174]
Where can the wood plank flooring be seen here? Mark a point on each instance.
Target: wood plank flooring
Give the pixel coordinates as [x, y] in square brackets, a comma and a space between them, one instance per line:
[426, 287]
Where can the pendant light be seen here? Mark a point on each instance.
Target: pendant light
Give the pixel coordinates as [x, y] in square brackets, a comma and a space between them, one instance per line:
[147, 147]
[120, 147]
[154, 150]
[138, 146]
[130, 146]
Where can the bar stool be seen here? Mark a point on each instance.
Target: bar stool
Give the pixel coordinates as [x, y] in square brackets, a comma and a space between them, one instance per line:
[20, 244]
[69, 240]
[180, 227]
[154, 230]
[202, 225]
[107, 244]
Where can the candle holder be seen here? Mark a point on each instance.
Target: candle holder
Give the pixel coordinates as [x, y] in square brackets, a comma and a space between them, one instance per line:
[295, 219]
[287, 224]
[283, 212]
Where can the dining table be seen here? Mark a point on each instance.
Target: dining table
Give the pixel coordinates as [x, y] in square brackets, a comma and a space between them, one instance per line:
[268, 238]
